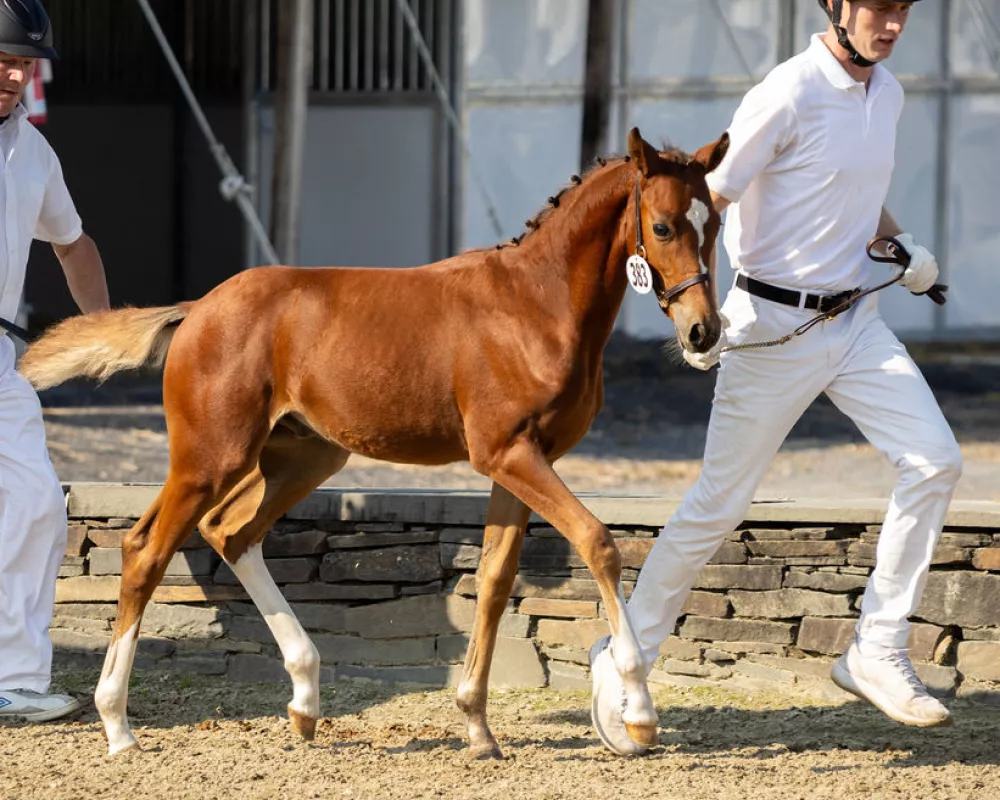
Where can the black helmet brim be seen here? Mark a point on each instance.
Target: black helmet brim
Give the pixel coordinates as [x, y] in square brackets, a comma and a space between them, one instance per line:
[30, 51]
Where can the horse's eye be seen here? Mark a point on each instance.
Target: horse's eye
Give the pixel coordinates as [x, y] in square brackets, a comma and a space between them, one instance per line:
[662, 231]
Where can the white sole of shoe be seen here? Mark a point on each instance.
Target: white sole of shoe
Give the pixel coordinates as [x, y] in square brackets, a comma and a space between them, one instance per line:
[865, 691]
[46, 716]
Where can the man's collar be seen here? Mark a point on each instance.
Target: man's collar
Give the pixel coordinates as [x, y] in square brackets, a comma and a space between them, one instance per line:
[19, 113]
[833, 70]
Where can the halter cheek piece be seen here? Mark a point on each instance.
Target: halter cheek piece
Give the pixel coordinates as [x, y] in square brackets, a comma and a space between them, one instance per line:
[665, 296]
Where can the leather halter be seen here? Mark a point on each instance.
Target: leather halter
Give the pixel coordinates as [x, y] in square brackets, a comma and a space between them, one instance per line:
[664, 295]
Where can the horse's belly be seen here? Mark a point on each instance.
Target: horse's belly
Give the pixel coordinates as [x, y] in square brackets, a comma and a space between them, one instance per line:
[406, 434]
[401, 448]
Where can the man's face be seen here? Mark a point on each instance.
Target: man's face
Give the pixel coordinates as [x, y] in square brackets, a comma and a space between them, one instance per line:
[16, 73]
[875, 26]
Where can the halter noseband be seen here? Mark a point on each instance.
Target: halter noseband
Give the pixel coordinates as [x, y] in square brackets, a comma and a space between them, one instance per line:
[665, 296]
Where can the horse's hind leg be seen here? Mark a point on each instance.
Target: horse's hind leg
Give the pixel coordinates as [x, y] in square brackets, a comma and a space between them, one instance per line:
[290, 468]
[146, 551]
[505, 523]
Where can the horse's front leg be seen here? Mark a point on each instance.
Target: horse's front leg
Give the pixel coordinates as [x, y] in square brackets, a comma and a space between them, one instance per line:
[523, 470]
[505, 523]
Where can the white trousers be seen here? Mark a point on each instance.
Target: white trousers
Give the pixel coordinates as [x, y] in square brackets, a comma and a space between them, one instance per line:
[759, 395]
[32, 533]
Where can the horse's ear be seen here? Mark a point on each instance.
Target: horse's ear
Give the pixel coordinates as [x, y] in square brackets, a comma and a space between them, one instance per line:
[642, 152]
[711, 155]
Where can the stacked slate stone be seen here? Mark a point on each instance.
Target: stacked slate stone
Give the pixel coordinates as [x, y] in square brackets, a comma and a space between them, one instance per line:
[393, 600]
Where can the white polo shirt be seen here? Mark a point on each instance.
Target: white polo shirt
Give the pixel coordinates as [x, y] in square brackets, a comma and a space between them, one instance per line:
[808, 170]
[34, 202]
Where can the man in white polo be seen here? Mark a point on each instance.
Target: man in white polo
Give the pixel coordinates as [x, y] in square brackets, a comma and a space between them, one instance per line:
[34, 204]
[806, 176]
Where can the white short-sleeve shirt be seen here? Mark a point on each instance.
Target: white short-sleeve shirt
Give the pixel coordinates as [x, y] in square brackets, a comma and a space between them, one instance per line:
[808, 169]
[34, 204]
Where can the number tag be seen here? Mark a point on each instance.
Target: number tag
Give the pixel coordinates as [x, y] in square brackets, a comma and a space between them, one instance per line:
[640, 277]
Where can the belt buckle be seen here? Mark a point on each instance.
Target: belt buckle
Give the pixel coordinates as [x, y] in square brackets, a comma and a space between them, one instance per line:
[844, 299]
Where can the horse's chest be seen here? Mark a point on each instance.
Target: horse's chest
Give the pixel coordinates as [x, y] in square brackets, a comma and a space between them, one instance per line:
[572, 409]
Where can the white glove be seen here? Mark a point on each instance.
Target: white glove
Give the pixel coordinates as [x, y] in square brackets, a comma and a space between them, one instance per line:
[708, 359]
[922, 273]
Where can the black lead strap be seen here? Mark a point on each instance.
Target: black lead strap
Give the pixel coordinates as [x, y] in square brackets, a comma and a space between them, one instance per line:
[17, 330]
[639, 247]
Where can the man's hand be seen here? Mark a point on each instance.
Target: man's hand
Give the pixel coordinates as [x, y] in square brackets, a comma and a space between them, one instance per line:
[922, 273]
[708, 359]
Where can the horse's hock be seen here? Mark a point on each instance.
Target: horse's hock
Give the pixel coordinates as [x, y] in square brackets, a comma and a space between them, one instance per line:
[385, 584]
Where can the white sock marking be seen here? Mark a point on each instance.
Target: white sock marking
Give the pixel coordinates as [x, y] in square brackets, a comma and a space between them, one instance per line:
[300, 654]
[629, 663]
[111, 696]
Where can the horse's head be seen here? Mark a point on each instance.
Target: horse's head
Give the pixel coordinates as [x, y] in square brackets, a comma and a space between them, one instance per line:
[679, 226]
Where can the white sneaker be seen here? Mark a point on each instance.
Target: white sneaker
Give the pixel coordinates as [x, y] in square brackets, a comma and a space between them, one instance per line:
[35, 706]
[609, 701]
[890, 684]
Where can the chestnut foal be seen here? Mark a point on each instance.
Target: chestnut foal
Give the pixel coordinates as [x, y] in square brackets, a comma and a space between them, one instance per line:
[494, 356]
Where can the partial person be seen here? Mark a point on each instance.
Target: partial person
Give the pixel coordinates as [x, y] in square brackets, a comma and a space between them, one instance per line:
[36, 204]
[805, 181]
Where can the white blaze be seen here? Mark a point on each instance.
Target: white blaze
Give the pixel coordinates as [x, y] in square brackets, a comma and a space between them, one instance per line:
[697, 214]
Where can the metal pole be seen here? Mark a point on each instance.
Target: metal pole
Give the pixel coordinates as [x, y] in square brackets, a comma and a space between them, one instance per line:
[251, 122]
[232, 186]
[449, 110]
[597, 81]
[942, 199]
[294, 75]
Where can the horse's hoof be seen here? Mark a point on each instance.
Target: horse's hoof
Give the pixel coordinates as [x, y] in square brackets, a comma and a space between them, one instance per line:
[303, 725]
[487, 752]
[643, 735]
[125, 746]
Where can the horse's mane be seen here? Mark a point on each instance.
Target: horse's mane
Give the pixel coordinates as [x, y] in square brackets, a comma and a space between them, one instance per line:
[667, 151]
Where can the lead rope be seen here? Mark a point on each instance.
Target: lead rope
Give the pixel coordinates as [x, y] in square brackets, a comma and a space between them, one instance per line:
[897, 255]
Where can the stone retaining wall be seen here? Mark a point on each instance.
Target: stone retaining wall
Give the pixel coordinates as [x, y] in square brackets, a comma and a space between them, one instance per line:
[385, 583]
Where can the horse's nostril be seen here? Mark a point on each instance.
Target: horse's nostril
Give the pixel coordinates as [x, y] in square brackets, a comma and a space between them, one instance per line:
[696, 335]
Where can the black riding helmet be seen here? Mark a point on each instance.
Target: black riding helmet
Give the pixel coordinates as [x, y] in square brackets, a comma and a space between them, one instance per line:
[836, 16]
[25, 29]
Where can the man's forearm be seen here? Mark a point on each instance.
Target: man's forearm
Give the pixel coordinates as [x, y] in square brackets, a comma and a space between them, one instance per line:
[887, 225]
[720, 202]
[81, 262]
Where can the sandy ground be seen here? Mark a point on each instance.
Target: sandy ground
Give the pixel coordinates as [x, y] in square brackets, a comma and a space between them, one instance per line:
[203, 739]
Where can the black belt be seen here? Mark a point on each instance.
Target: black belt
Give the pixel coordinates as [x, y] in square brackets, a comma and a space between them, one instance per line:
[789, 297]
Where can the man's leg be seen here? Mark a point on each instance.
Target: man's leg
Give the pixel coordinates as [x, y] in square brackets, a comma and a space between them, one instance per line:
[758, 399]
[882, 391]
[32, 544]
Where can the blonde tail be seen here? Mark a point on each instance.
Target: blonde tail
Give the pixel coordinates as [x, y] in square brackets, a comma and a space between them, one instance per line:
[99, 345]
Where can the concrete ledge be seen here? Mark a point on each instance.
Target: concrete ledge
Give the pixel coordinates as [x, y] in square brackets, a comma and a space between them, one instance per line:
[442, 507]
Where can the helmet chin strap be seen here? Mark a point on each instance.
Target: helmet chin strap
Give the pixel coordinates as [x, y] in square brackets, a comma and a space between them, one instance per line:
[838, 13]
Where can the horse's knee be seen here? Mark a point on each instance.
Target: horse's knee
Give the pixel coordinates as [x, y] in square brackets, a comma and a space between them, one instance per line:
[469, 698]
[603, 554]
[496, 576]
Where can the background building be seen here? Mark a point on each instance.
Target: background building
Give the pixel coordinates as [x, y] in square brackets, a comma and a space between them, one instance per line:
[386, 180]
